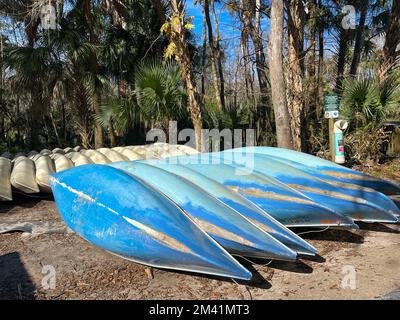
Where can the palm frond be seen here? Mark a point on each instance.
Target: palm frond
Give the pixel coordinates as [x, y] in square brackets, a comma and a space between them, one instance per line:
[159, 91]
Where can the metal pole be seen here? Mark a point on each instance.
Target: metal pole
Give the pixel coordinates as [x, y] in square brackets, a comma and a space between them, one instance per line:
[332, 139]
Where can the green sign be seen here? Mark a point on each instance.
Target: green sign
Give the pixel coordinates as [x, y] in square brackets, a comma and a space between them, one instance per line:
[331, 102]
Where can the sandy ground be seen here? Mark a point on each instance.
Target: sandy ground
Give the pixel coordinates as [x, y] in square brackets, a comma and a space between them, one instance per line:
[86, 272]
[362, 264]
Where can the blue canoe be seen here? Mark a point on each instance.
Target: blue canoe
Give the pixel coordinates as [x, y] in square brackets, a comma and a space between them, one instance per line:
[328, 169]
[285, 204]
[347, 201]
[371, 195]
[229, 228]
[127, 217]
[239, 203]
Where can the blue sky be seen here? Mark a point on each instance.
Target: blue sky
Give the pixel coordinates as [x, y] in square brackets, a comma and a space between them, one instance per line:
[229, 26]
[226, 21]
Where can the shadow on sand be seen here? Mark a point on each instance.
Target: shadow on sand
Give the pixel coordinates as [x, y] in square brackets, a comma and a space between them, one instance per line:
[15, 282]
[334, 235]
[258, 281]
[378, 227]
[23, 201]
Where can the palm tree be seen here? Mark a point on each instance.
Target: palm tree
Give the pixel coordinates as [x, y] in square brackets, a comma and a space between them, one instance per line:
[159, 91]
[157, 98]
[119, 114]
[176, 31]
[360, 37]
[392, 40]
[366, 102]
[32, 72]
[76, 76]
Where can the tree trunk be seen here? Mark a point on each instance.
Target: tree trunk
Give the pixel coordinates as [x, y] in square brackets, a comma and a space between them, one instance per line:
[320, 66]
[219, 54]
[311, 65]
[203, 60]
[178, 37]
[256, 36]
[296, 72]
[98, 132]
[245, 59]
[158, 6]
[112, 135]
[35, 111]
[392, 37]
[213, 55]
[341, 64]
[55, 128]
[310, 106]
[278, 87]
[359, 43]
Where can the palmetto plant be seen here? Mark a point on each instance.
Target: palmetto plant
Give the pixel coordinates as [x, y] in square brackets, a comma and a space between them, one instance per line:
[158, 98]
[368, 101]
[118, 113]
[159, 91]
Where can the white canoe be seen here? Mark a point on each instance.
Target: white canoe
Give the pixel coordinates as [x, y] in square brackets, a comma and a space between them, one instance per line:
[58, 150]
[135, 148]
[31, 154]
[145, 152]
[45, 152]
[5, 185]
[77, 148]
[44, 168]
[188, 150]
[96, 157]
[34, 157]
[68, 150]
[19, 154]
[78, 159]
[61, 162]
[23, 175]
[113, 155]
[171, 151]
[130, 154]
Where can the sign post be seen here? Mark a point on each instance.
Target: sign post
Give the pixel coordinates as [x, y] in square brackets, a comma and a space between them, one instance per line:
[331, 108]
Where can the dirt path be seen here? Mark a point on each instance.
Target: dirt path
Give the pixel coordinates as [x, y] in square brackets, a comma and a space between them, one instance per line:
[86, 272]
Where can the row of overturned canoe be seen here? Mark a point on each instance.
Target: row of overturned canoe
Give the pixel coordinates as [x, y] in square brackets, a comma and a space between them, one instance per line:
[29, 173]
[195, 212]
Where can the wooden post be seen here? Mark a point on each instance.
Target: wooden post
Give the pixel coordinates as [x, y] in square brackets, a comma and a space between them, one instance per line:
[149, 273]
[332, 138]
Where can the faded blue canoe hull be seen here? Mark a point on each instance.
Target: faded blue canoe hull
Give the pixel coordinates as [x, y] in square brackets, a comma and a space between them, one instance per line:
[125, 216]
[285, 204]
[228, 227]
[353, 203]
[327, 169]
[239, 203]
[374, 197]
